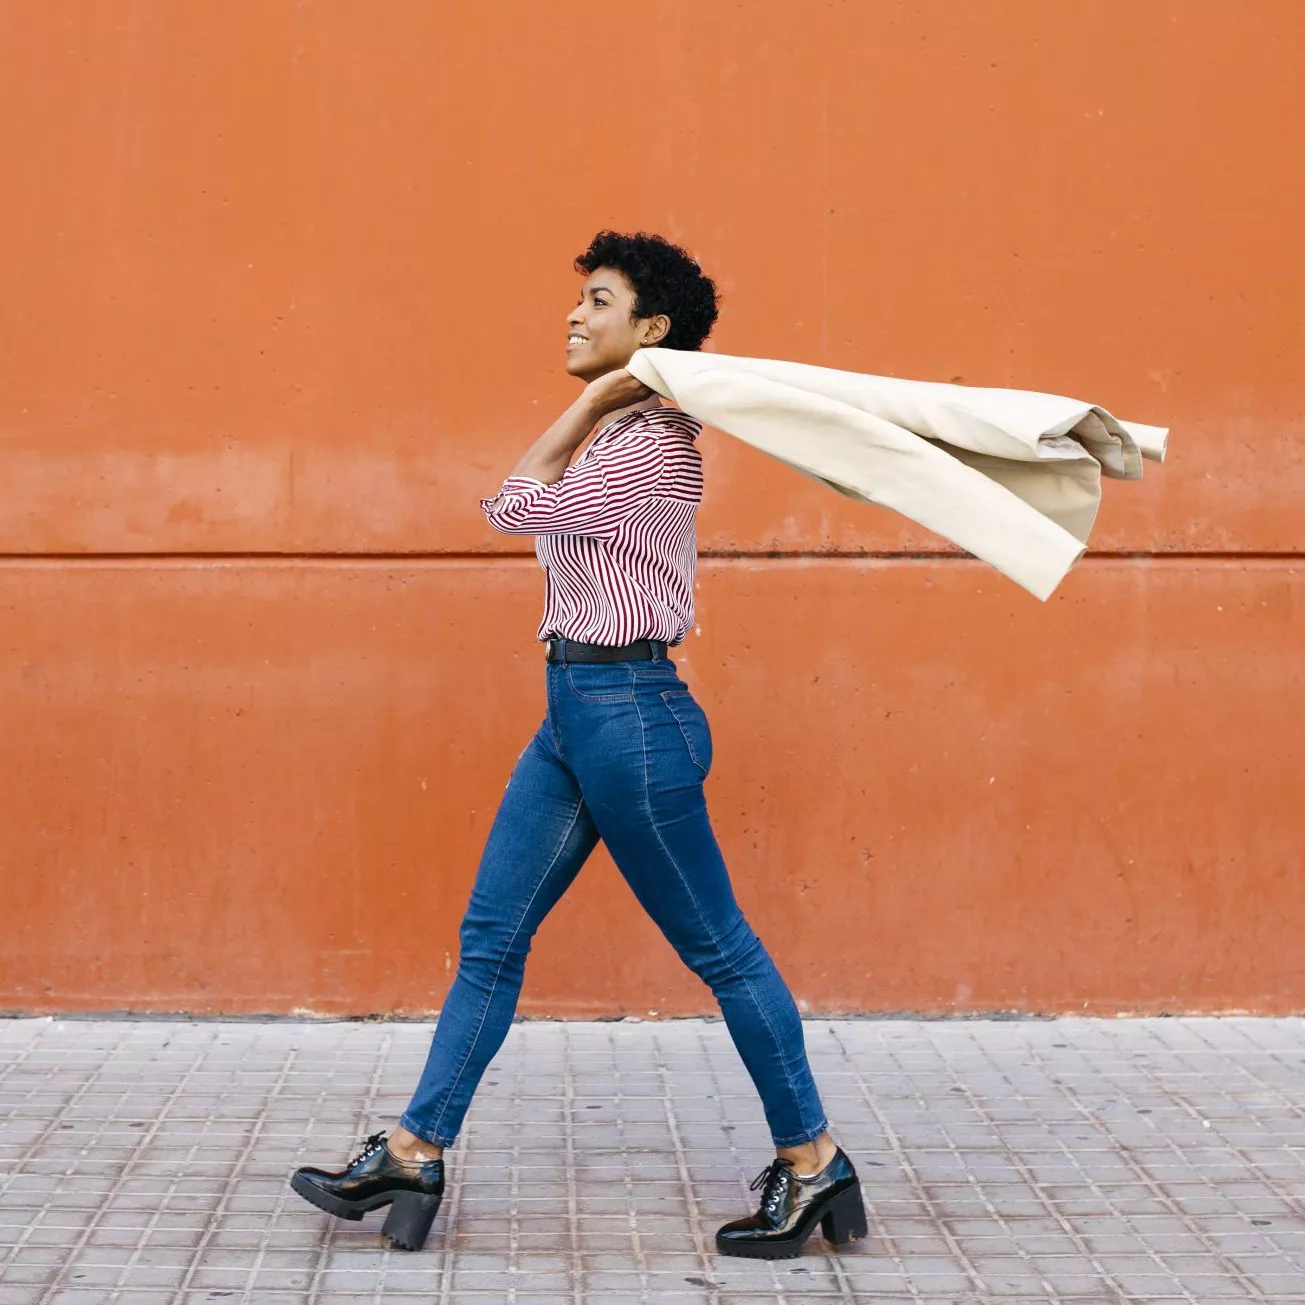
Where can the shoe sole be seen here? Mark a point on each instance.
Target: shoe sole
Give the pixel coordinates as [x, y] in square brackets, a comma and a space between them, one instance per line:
[405, 1228]
[335, 1205]
[761, 1250]
[789, 1250]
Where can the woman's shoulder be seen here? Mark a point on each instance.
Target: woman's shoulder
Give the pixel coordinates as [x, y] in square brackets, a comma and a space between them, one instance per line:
[667, 433]
[665, 419]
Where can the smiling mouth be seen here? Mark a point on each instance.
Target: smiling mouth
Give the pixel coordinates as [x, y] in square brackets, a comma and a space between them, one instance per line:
[573, 340]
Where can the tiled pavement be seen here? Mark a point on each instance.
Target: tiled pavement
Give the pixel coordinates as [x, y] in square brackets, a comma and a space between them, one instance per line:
[1069, 1160]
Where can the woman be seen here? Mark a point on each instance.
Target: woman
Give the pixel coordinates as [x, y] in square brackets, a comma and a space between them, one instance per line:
[621, 756]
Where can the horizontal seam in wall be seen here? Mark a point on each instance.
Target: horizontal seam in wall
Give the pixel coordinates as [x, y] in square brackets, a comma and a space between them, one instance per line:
[706, 555]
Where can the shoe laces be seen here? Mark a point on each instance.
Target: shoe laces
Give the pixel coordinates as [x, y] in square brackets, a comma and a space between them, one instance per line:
[774, 1178]
[370, 1148]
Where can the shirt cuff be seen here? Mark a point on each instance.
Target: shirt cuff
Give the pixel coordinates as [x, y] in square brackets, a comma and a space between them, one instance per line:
[512, 488]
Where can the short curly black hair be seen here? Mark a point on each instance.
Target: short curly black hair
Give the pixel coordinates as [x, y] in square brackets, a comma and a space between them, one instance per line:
[665, 279]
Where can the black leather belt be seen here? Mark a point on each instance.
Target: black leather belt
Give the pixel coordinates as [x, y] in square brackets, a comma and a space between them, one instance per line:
[571, 650]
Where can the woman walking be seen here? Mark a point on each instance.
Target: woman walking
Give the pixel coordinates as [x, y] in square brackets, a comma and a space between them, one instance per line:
[621, 756]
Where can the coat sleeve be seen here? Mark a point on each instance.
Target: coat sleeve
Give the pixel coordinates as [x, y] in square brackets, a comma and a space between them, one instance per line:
[592, 498]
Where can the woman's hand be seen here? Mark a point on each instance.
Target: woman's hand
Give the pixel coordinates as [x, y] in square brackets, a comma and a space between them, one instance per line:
[617, 389]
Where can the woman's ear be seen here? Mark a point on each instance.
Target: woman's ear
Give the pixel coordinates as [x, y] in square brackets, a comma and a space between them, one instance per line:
[657, 330]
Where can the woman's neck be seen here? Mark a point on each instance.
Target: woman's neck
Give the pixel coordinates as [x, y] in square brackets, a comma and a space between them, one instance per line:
[609, 417]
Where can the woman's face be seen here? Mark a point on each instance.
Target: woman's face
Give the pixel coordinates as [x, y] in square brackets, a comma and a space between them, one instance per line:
[600, 333]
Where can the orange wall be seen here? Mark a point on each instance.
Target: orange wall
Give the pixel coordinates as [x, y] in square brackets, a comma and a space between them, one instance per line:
[284, 291]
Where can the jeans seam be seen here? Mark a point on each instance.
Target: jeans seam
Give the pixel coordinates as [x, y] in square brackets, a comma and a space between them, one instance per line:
[693, 897]
[666, 697]
[493, 987]
[554, 725]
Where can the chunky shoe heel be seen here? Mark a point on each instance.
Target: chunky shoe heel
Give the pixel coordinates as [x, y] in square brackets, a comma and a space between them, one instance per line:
[408, 1223]
[844, 1219]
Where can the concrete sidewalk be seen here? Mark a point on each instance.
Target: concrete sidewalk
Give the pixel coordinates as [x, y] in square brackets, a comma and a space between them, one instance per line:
[1069, 1160]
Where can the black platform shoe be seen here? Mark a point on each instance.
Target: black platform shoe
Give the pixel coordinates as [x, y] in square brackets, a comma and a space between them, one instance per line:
[792, 1205]
[373, 1179]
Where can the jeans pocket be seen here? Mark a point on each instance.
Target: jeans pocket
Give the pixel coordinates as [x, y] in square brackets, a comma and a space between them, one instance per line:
[692, 721]
[601, 681]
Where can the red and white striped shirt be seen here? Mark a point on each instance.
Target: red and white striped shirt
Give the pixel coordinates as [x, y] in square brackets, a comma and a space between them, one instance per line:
[617, 535]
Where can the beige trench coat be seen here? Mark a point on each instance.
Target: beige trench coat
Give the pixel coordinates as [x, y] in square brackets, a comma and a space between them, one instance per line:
[1011, 476]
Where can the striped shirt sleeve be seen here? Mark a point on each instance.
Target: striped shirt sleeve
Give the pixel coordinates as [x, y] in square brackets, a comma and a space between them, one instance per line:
[592, 498]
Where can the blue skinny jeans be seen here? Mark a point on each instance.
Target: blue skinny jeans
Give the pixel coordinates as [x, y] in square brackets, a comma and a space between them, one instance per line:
[621, 756]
